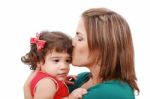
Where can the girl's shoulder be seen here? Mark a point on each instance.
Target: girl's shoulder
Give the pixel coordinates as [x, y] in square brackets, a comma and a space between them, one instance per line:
[43, 81]
[45, 86]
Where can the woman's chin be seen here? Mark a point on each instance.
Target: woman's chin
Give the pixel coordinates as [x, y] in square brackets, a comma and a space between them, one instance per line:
[77, 65]
[74, 64]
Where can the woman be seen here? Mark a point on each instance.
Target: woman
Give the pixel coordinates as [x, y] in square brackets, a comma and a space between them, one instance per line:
[103, 44]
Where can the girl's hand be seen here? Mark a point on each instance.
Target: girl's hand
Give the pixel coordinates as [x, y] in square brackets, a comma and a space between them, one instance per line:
[70, 79]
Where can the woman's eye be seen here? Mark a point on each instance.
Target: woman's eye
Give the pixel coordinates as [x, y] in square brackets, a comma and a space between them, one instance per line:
[80, 38]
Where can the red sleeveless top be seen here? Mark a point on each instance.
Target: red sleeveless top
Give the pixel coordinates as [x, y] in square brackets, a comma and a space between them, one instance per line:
[62, 90]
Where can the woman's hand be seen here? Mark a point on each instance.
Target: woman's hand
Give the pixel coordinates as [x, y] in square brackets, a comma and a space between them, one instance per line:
[70, 79]
[77, 93]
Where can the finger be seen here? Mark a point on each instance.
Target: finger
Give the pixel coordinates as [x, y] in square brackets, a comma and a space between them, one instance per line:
[84, 92]
[69, 83]
[71, 79]
[79, 96]
[72, 76]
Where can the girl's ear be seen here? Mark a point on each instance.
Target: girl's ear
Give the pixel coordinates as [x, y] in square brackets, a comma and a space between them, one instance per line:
[39, 65]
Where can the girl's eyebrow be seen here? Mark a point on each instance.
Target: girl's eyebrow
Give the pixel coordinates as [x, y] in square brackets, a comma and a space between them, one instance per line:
[59, 57]
[55, 57]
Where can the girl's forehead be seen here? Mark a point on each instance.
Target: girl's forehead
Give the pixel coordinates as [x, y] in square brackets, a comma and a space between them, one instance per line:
[59, 54]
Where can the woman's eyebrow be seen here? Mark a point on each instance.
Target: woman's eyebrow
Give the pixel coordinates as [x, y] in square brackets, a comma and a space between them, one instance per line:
[78, 33]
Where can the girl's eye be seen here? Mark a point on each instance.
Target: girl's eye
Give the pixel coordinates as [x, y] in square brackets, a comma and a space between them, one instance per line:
[68, 61]
[56, 60]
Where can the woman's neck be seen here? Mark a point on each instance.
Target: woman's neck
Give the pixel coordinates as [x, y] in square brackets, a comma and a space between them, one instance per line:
[94, 78]
[95, 74]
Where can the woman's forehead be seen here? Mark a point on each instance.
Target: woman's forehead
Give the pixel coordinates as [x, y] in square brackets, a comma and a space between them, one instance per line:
[81, 28]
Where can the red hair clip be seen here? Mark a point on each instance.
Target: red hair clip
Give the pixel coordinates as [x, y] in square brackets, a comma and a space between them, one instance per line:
[39, 43]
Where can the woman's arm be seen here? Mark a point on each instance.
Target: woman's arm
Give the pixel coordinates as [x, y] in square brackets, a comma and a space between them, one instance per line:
[77, 94]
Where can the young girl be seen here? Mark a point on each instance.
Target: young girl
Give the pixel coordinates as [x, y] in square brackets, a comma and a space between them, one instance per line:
[49, 57]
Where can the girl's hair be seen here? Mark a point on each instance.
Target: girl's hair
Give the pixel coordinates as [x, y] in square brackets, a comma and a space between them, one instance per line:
[54, 41]
[110, 41]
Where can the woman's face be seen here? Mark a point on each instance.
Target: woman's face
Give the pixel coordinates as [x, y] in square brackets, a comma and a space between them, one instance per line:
[80, 55]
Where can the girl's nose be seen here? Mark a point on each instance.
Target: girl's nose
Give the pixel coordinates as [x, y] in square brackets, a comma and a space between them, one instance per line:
[63, 66]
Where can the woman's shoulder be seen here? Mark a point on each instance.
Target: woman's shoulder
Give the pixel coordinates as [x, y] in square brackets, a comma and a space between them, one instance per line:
[113, 89]
[83, 75]
[81, 79]
[112, 85]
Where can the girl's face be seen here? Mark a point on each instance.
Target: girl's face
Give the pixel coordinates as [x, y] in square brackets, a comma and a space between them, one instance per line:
[57, 64]
[80, 55]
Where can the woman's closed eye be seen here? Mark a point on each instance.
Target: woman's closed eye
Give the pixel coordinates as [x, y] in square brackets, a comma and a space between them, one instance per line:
[80, 38]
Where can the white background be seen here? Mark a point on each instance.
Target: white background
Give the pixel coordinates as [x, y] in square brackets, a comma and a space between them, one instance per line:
[21, 19]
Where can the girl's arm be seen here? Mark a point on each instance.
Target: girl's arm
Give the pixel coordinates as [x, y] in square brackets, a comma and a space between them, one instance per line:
[46, 89]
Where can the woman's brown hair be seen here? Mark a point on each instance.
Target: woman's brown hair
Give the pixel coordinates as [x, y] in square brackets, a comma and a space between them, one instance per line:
[109, 37]
[55, 41]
